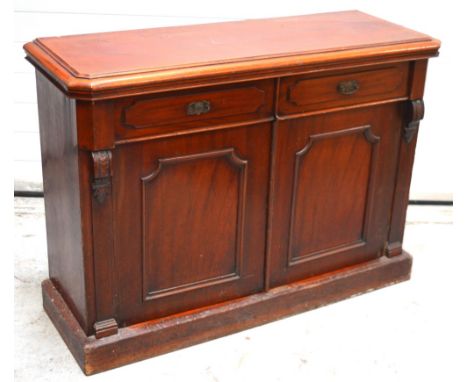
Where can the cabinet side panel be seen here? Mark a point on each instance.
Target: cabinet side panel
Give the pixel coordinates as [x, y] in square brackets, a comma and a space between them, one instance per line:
[62, 194]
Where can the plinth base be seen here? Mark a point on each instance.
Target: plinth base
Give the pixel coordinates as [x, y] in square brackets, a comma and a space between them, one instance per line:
[150, 338]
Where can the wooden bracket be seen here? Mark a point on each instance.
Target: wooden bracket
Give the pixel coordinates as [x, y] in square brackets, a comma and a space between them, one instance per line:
[415, 113]
[105, 328]
[102, 173]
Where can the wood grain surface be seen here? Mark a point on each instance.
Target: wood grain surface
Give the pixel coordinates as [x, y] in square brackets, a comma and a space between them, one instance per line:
[100, 65]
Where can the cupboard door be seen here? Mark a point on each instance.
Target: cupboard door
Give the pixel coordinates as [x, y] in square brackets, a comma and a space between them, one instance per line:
[190, 220]
[332, 190]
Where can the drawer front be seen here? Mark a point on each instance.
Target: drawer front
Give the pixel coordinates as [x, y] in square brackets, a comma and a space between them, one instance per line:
[299, 94]
[196, 108]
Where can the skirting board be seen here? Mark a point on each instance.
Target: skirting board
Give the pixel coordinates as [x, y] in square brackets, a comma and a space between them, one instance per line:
[151, 338]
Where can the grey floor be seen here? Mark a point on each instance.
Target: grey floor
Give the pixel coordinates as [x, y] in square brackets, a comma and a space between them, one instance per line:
[407, 332]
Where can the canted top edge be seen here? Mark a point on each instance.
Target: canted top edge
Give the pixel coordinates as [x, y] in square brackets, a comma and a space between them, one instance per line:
[103, 65]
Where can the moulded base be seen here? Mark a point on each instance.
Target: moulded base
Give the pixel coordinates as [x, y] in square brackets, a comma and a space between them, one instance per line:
[150, 338]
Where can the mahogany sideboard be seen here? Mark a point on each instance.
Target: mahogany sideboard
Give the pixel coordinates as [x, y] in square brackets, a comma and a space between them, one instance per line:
[201, 180]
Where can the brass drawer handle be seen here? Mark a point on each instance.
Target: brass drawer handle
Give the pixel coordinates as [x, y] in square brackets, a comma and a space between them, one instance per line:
[348, 87]
[198, 107]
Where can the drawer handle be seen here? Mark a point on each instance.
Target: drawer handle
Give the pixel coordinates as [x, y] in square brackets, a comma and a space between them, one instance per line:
[348, 87]
[198, 107]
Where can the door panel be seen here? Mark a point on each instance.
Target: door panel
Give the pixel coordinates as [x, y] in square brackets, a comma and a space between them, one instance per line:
[331, 190]
[209, 214]
[337, 167]
[199, 203]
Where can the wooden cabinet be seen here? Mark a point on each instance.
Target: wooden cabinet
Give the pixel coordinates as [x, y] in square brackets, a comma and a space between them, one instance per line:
[206, 179]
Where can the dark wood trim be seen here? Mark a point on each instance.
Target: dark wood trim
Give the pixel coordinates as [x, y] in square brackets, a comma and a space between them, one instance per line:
[103, 241]
[160, 336]
[269, 211]
[415, 113]
[414, 110]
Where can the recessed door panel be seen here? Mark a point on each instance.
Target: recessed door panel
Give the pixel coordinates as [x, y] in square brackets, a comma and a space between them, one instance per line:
[331, 190]
[200, 198]
[332, 187]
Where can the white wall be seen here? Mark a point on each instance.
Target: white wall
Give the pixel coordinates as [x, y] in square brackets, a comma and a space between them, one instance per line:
[433, 174]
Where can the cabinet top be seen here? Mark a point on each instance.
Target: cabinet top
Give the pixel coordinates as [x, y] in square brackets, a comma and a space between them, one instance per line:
[113, 64]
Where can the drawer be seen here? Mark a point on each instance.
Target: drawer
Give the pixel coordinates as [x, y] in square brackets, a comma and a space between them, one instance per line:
[305, 93]
[195, 108]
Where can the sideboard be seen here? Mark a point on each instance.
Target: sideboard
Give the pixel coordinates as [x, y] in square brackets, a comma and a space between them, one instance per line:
[201, 180]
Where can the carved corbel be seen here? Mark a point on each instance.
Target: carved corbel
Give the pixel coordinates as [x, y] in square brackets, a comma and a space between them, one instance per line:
[102, 174]
[415, 113]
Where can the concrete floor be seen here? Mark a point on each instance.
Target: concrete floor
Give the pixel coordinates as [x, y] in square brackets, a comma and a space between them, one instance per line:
[410, 331]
